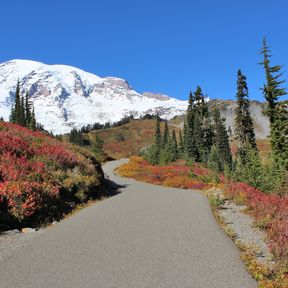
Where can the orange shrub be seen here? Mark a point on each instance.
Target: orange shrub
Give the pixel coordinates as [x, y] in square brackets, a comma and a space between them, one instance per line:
[174, 175]
[177, 182]
[133, 167]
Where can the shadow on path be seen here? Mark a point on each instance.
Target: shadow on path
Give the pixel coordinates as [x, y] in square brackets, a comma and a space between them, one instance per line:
[112, 188]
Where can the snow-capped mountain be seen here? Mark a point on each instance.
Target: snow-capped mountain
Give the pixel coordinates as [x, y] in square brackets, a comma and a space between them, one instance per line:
[65, 97]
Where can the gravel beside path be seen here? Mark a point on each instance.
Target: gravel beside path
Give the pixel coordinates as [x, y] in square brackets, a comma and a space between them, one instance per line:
[243, 226]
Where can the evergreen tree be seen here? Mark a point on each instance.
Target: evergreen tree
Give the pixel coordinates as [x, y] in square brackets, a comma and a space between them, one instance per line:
[22, 120]
[165, 137]
[21, 111]
[174, 145]
[244, 129]
[185, 135]
[190, 101]
[221, 140]
[248, 169]
[279, 134]
[200, 104]
[268, 177]
[152, 155]
[16, 108]
[207, 138]
[28, 112]
[181, 145]
[97, 145]
[12, 117]
[190, 140]
[76, 137]
[214, 161]
[276, 110]
[272, 88]
[157, 141]
[169, 152]
[198, 97]
[189, 131]
[197, 137]
[33, 124]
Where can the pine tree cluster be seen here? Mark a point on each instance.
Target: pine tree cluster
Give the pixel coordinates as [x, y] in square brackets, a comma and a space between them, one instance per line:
[205, 134]
[248, 167]
[22, 112]
[165, 147]
[202, 131]
[76, 137]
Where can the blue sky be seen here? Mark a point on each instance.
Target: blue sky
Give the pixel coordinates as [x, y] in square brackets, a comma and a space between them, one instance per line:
[159, 46]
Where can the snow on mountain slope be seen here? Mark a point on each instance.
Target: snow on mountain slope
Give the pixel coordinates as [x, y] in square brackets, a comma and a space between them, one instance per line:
[65, 97]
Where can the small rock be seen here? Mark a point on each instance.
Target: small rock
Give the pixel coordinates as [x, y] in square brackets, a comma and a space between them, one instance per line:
[28, 230]
[54, 223]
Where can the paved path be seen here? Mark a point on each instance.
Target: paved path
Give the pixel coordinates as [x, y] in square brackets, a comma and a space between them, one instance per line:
[147, 236]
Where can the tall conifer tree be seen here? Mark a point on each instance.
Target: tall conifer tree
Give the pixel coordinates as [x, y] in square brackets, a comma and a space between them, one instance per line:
[33, 123]
[189, 135]
[28, 111]
[165, 137]
[244, 129]
[221, 140]
[276, 110]
[181, 145]
[16, 109]
[22, 117]
[272, 88]
[158, 140]
[199, 137]
[174, 141]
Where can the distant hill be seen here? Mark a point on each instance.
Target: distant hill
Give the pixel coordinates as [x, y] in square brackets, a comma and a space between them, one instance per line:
[128, 139]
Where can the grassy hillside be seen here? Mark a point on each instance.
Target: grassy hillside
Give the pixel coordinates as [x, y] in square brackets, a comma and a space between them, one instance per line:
[41, 177]
[128, 139]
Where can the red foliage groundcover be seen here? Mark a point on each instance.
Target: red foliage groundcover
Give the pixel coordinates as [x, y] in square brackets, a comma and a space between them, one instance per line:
[33, 169]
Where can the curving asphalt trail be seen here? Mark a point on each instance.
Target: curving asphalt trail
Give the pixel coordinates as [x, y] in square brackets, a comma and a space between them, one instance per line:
[146, 236]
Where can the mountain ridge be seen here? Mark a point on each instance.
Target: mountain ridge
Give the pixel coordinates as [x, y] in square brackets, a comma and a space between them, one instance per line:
[67, 97]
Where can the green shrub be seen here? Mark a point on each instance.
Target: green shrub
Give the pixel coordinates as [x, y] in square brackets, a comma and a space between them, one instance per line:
[212, 177]
[267, 177]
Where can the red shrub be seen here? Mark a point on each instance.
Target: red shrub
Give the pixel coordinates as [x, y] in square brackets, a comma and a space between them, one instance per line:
[57, 153]
[31, 163]
[25, 198]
